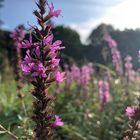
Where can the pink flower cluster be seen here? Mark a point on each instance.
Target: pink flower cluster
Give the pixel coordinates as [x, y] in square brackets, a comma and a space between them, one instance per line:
[42, 61]
[58, 121]
[104, 92]
[52, 12]
[129, 72]
[75, 73]
[80, 76]
[116, 58]
[129, 112]
[139, 56]
[68, 77]
[17, 36]
[86, 72]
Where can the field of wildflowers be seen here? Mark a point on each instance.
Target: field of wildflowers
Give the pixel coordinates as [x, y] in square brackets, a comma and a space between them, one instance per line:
[41, 100]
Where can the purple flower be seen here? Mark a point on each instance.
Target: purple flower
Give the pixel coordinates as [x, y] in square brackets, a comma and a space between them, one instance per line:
[37, 68]
[18, 35]
[48, 40]
[68, 75]
[81, 76]
[129, 72]
[139, 56]
[129, 112]
[59, 77]
[52, 54]
[55, 61]
[56, 46]
[53, 12]
[27, 43]
[116, 58]
[86, 74]
[53, 47]
[58, 121]
[37, 51]
[76, 73]
[33, 69]
[29, 67]
[128, 58]
[104, 92]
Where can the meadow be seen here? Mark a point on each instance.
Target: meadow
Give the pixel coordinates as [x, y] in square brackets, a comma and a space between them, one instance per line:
[43, 99]
[86, 115]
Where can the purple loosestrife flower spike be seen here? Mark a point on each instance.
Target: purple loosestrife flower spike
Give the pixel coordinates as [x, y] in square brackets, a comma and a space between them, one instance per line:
[139, 56]
[86, 73]
[27, 44]
[81, 77]
[116, 58]
[17, 36]
[85, 78]
[129, 112]
[104, 93]
[68, 81]
[41, 64]
[129, 72]
[59, 77]
[76, 73]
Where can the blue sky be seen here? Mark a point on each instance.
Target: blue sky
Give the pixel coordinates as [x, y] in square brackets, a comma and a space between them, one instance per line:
[82, 15]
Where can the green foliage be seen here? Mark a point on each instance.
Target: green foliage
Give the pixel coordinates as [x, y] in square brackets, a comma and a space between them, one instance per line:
[81, 113]
[83, 118]
[12, 114]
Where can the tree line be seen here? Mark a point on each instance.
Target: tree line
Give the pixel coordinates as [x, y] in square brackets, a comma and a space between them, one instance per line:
[95, 51]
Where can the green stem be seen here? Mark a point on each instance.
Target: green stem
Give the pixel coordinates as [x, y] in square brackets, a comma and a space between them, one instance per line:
[8, 132]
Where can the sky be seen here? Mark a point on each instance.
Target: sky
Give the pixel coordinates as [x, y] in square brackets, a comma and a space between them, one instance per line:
[81, 15]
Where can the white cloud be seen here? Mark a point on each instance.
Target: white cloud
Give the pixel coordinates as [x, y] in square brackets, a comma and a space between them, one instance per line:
[85, 28]
[123, 15]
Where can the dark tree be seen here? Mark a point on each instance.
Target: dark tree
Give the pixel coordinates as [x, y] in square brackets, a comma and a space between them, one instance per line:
[128, 43]
[70, 39]
[96, 36]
